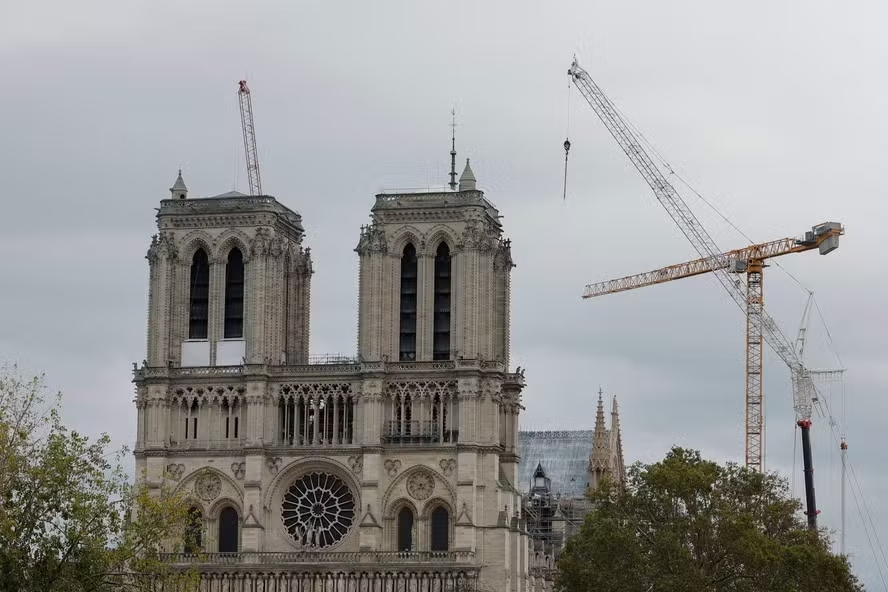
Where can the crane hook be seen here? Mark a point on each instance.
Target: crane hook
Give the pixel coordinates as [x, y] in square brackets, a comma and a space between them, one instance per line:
[566, 152]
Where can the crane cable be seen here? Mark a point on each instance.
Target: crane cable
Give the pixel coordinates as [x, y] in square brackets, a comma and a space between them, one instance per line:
[668, 167]
[863, 510]
[566, 142]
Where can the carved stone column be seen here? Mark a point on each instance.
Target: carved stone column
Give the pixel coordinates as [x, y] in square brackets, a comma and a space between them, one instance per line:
[468, 410]
[389, 323]
[162, 260]
[270, 415]
[216, 321]
[374, 259]
[301, 341]
[179, 310]
[255, 297]
[255, 413]
[425, 305]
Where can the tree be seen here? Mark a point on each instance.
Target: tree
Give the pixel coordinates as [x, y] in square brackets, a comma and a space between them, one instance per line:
[686, 524]
[69, 518]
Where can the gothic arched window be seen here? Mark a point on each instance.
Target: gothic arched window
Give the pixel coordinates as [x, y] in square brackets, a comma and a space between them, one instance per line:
[405, 530]
[440, 536]
[198, 319]
[193, 531]
[408, 304]
[234, 295]
[441, 329]
[228, 526]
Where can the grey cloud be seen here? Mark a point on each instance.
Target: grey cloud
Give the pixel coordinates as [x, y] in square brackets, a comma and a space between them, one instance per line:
[772, 109]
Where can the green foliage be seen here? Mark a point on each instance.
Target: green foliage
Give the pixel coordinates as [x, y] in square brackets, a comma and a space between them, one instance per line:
[69, 518]
[686, 524]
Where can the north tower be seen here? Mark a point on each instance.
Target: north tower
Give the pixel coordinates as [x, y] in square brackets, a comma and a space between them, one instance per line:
[434, 278]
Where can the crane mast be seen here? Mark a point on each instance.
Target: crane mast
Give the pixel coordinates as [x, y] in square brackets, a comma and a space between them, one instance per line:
[760, 327]
[811, 510]
[249, 129]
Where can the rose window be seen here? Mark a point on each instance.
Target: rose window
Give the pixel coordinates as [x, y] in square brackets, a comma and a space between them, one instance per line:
[318, 510]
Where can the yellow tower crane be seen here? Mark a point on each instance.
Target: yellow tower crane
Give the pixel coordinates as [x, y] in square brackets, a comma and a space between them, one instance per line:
[760, 326]
[749, 260]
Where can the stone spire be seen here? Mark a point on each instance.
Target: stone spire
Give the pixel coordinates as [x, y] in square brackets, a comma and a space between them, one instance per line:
[178, 190]
[615, 416]
[617, 442]
[467, 180]
[600, 457]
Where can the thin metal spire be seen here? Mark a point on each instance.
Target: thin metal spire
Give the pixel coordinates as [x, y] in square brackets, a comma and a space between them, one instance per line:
[452, 183]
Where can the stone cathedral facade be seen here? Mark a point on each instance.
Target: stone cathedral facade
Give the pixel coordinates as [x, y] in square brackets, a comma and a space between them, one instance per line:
[390, 471]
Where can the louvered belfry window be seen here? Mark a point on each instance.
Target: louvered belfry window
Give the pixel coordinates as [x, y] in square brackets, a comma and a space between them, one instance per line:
[408, 304]
[234, 295]
[198, 319]
[441, 328]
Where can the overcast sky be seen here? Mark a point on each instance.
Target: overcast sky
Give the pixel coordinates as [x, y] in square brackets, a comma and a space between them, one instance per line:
[774, 111]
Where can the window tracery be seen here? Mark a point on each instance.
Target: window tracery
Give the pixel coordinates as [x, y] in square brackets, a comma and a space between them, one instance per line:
[421, 411]
[316, 414]
[318, 510]
[219, 408]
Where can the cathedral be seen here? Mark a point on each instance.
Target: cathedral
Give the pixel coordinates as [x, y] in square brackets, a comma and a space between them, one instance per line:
[392, 470]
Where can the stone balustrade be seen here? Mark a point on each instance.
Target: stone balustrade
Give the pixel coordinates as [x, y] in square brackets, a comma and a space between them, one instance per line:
[337, 367]
[308, 558]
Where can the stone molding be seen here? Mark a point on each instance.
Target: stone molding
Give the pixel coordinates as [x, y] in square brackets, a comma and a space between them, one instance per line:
[357, 370]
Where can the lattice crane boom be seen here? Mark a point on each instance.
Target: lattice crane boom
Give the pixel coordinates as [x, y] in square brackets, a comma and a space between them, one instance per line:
[821, 236]
[760, 326]
[665, 193]
[249, 130]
